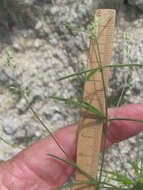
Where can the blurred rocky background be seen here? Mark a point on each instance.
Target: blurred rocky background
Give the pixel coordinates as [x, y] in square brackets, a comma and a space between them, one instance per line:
[45, 50]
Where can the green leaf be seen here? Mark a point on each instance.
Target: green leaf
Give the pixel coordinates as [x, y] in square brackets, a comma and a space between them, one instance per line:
[81, 104]
[91, 74]
[74, 184]
[26, 138]
[141, 168]
[14, 66]
[75, 28]
[112, 101]
[120, 178]
[77, 167]
[92, 109]
[12, 145]
[135, 167]
[15, 89]
[139, 185]
[98, 68]
[126, 119]
[75, 74]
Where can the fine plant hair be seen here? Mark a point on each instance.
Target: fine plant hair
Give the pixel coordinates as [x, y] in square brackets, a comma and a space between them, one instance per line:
[125, 182]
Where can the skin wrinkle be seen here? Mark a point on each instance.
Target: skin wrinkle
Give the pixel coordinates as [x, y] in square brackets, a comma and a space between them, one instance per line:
[37, 155]
[31, 169]
[50, 162]
[60, 176]
[17, 182]
[2, 185]
[15, 177]
[32, 186]
[67, 170]
[14, 186]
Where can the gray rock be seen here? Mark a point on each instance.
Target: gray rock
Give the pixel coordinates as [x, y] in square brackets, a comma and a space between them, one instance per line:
[112, 4]
[137, 3]
[54, 10]
[38, 43]
[10, 125]
[70, 46]
[3, 76]
[26, 132]
[50, 51]
[53, 41]
[16, 46]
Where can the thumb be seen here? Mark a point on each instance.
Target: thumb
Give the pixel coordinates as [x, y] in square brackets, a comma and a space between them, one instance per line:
[34, 168]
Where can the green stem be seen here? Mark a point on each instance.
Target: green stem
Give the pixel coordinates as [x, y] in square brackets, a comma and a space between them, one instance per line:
[98, 69]
[126, 119]
[74, 184]
[75, 166]
[106, 104]
[46, 128]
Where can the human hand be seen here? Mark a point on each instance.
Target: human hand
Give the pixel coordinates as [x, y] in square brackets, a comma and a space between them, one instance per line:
[33, 169]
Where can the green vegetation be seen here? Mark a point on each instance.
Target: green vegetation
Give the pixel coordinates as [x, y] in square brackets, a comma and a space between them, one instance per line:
[123, 181]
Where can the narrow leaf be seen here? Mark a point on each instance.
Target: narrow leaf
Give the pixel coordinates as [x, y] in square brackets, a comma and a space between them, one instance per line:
[126, 119]
[75, 166]
[93, 109]
[74, 184]
[90, 75]
[82, 104]
[120, 178]
[75, 74]
[135, 167]
[98, 68]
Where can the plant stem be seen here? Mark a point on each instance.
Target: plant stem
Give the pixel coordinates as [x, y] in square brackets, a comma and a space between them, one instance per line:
[126, 119]
[106, 103]
[46, 128]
